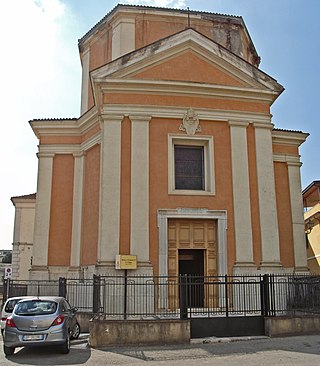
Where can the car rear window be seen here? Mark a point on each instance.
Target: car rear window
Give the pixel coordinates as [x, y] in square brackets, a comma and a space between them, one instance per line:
[36, 307]
[10, 305]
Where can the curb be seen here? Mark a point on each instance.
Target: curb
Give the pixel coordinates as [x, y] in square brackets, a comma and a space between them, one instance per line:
[225, 339]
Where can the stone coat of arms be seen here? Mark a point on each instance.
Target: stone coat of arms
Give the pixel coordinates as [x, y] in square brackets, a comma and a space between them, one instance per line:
[190, 122]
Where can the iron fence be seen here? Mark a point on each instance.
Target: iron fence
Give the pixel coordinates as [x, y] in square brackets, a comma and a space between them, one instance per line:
[160, 297]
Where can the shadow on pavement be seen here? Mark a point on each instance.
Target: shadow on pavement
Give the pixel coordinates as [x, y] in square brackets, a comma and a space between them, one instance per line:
[79, 354]
[301, 344]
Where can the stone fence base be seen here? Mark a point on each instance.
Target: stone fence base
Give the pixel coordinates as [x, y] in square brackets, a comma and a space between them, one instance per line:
[298, 325]
[134, 332]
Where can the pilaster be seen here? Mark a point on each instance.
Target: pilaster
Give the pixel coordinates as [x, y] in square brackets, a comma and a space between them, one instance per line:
[42, 214]
[300, 253]
[77, 209]
[241, 194]
[139, 236]
[109, 232]
[85, 60]
[267, 196]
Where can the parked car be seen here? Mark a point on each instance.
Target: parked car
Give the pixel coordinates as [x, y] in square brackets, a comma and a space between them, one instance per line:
[8, 308]
[41, 321]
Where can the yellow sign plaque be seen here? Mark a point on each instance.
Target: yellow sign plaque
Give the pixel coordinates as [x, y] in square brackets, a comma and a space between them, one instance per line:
[126, 261]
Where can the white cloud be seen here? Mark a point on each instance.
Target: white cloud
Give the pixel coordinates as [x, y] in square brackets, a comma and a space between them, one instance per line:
[159, 3]
[40, 71]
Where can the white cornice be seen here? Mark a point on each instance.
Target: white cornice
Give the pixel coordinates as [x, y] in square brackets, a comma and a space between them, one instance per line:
[178, 112]
[183, 88]
[63, 127]
[294, 138]
[24, 203]
[88, 144]
[87, 120]
[55, 127]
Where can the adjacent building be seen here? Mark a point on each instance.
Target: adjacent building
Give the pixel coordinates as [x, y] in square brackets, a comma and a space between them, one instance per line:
[311, 202]
[174, 158]
[22, 247]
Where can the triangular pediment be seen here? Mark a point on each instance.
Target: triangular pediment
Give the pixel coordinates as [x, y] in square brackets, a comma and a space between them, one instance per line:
[190, 67]
[188, 57]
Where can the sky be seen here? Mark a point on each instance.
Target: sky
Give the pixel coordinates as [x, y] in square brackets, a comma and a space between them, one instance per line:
[41, 74]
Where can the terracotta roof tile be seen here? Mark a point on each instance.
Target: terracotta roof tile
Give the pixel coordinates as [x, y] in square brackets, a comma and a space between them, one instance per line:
[54, 119]
[281, 129]
[31, 196]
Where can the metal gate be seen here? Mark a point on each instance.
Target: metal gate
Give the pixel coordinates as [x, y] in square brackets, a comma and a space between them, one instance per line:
[233, 305]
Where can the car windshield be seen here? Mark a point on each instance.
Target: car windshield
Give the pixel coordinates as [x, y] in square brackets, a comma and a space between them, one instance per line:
[10, 305]
[36, 307]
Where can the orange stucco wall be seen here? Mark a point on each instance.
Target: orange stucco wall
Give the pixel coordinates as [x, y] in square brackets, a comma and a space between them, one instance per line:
[100, 54]
[52, 140]
[90, 213]
[284, 214]
[254, 198]
[152, 28]
[61, 211]
[173, 101]
[158, 194]
[125, 198]
[69, 139]
[285, 149]
[186, 67]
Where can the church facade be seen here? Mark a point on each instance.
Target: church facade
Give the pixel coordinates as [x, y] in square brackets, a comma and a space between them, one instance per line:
[174, 159]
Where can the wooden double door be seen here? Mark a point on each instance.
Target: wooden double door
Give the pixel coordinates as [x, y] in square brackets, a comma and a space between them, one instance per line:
[192, 251]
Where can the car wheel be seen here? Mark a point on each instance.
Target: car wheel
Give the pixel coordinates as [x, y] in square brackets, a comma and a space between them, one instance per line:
[8, 351]
[66, 345]
[75, 331]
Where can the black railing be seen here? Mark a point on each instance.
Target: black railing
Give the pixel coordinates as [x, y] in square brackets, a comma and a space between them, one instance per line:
[144, 297]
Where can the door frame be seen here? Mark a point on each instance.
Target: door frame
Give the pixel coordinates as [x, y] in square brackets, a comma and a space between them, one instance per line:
[193, 213]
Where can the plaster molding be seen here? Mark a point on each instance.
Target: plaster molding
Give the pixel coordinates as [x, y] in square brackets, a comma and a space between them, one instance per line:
[294, 138]
[287, 158]
[45, 154]
[238, 124]
[62, 127]
[267, 126]
[164, 87]
[74, 149]
[139, 117]
[178, 113]
[111, 117]
[163, 215]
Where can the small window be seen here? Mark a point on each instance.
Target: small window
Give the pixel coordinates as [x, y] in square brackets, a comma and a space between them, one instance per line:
[189, 167]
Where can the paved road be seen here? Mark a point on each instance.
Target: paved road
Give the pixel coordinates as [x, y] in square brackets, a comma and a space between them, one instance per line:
[303, 350]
